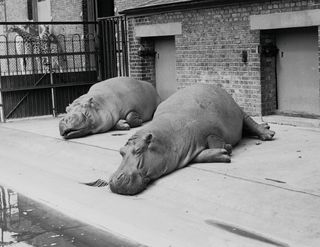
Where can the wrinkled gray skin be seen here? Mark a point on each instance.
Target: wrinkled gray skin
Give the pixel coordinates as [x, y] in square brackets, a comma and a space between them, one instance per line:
[199, 124]
[118, 103]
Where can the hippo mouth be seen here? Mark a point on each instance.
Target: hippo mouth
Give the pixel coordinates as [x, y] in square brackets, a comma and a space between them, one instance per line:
[72, 133]
[128, 185]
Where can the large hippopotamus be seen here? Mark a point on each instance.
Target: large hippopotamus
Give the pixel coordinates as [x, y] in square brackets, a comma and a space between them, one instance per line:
[199, 124]
[119, 103]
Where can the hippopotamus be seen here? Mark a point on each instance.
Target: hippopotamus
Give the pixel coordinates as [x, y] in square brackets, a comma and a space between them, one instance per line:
[118, 103]
[197, 124]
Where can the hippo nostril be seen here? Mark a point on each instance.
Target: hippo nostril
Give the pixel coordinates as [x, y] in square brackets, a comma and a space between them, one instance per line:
[120, 176]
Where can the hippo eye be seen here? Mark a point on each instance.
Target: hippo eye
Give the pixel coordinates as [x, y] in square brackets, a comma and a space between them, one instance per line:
[122, 152]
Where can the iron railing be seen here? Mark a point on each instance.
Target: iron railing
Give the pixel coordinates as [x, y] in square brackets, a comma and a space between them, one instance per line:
[113, 46]
[49, 64]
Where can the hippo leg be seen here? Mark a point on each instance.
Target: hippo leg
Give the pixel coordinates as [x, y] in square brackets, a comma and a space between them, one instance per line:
[252, 128]
[217, 142]
[218, 151]
[213, 155]
[122, 125]
[134, 119]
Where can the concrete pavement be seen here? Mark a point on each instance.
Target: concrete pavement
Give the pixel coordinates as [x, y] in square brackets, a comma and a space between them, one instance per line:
[269, 195]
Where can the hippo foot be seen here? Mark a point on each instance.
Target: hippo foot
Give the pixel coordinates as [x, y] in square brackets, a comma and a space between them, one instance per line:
[264, 125]
[266, 135]
[252, 128]
[213, 155]
[134, 119]
[228, 147]
[122, 125]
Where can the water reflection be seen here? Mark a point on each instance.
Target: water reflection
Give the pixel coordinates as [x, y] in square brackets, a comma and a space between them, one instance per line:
[26, 223]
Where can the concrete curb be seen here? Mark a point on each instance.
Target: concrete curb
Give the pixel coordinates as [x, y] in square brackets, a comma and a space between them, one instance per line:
[292, 121]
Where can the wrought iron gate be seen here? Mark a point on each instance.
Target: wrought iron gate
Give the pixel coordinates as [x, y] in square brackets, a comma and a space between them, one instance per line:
[43, 74]
[113, 46]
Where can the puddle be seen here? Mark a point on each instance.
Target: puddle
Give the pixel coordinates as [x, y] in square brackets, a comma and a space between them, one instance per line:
[26, 223]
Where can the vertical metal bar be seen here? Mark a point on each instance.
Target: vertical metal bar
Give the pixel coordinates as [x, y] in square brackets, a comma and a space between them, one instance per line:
[65, 51]
[104, 47]
[54, 112]
[118, 46]
[113, 58]
[8, 63]
[108, 55]
[65, 72]
[81, 59]
[16, 58]
[2, 116]
[123, 46]
[98, 50]
[73, 57]
[33, 58]
[126, 43]
[88, 40]
[114, 49]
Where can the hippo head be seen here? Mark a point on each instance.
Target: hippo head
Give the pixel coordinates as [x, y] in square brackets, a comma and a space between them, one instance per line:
[82, 118]
[142, 162]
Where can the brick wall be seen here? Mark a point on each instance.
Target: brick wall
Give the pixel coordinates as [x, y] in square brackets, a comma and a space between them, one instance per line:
[63, 10]
[210, 47]
[17, 10]
[2, 16]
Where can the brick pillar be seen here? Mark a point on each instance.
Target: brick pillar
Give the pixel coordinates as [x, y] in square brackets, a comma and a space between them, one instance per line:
[141, 67]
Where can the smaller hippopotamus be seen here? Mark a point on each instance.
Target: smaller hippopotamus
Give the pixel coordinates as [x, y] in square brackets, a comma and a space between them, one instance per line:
[118, 103]
[198, 124]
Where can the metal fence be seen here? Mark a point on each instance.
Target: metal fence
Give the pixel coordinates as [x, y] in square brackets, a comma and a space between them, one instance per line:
[44, 66]
[113, 46]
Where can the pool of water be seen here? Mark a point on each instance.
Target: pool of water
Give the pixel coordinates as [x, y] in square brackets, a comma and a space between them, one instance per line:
[25, 223]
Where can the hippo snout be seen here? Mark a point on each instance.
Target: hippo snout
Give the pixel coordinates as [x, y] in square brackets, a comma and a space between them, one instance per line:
[62, 127]
[73, 125]
[128, 184]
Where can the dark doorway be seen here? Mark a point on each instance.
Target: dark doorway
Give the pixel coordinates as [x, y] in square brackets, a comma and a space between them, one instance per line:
[105, 8]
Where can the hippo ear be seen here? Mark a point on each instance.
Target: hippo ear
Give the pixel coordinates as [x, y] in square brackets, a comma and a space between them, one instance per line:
[148, 138]
[90, 102]
[68, 108]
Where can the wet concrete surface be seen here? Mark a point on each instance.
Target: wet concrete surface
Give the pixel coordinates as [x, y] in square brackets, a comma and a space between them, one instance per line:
[267, 196]
[25, 223]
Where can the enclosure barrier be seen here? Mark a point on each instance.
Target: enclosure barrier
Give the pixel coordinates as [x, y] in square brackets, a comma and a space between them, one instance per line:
[44, 66]
[113, 46]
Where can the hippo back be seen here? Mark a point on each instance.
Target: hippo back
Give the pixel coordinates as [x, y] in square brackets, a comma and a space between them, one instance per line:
[129, 94]
[205, 108]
